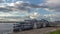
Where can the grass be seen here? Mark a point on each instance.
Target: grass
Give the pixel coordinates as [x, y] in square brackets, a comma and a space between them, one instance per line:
[55, 32]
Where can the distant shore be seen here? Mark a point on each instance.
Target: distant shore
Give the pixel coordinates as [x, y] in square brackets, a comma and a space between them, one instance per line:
[8, 21]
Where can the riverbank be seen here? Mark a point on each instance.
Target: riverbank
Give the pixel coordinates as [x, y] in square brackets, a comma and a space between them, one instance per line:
[55, 32]
[38, 31]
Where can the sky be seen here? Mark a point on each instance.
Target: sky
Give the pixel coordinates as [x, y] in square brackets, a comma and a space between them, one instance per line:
[19, 10]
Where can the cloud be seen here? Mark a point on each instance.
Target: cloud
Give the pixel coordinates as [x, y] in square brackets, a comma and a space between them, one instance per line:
[53, 5]
[14, 9]
[24, 6]
[1, 1]
[11, 19]
[18, 6]
[50, 5]
[34, 15]
[3, 14]
[11, 16]
[28, 4]
[52, 17]
[4, 9]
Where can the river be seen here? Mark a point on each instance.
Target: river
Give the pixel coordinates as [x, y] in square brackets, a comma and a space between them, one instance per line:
[6, 28]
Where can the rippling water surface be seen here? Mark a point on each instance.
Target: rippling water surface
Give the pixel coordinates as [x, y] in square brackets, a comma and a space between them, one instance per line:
[6, 28]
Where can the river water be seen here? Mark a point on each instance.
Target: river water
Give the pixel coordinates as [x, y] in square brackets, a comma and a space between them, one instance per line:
[6, 28]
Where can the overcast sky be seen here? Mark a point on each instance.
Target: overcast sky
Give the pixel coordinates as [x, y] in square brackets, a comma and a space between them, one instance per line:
[15, 10]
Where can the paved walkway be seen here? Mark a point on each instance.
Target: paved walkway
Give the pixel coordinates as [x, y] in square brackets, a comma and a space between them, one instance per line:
[38, 31]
